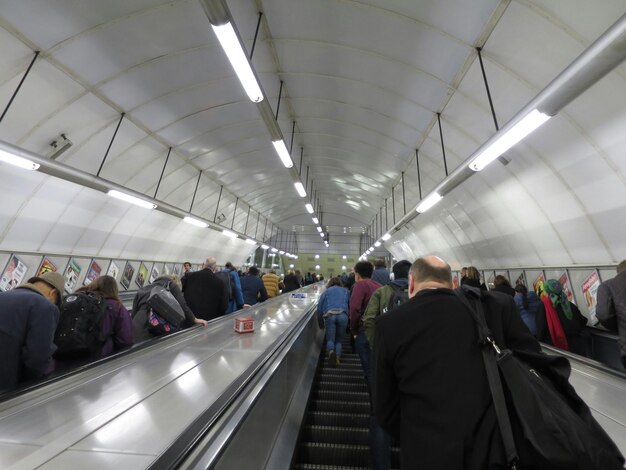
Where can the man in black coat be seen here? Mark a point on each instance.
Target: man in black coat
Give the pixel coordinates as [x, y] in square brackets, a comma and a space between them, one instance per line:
[430, 389]
[206, 295]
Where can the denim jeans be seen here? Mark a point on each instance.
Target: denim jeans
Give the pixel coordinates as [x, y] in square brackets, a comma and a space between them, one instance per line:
[335, 330]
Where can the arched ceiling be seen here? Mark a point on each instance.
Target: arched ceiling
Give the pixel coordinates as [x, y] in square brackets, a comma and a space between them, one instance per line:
[363, 81]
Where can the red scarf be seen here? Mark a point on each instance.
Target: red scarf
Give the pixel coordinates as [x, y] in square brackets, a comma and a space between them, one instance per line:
[554, 325]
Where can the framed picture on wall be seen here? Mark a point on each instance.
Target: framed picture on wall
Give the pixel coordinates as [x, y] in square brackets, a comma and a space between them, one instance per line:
[47, 266]
[71, 275]
[93, 273]
[142, 275]
[127, 275]
[154, 273]
[113, 270]
[13, 273]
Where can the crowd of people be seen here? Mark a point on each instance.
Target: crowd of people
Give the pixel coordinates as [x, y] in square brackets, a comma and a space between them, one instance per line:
[34, 317]
[426, 378]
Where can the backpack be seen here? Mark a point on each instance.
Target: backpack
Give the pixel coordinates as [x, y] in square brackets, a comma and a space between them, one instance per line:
[79, 332]
[164, 315]
[398, 297]
[227, 279]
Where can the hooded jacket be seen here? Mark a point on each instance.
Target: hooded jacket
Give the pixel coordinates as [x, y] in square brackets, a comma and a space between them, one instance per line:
[28, 321]
[379, 301]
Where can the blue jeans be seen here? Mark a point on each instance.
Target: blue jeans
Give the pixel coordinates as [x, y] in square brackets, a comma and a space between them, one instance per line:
[363, 350]
[335, 330]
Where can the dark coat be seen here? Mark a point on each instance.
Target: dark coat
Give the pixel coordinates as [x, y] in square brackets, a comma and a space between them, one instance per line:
[504, 289]
[291, 283]
[206, 294]
[430, 386]
[253, 289]
[573, 329]
[611, 308]
[140, 308]
[27, 324]
[117, 328]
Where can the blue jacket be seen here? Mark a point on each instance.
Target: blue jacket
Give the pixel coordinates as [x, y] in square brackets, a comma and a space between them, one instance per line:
[237, 301]
[333, 298]
[529, 314]
[382, 276]
[252, 287]
[27, 324]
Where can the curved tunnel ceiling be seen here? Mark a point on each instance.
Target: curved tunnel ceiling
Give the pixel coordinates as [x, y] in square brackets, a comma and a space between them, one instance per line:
[363, 82]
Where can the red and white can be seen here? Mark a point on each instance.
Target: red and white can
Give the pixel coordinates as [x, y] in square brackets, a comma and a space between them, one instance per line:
[244, 325]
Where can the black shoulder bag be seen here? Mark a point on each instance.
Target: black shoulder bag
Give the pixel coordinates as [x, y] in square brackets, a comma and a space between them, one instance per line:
[544, 424]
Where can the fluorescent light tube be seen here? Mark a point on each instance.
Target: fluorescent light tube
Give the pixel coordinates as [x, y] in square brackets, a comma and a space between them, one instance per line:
[274, 250]
[283, 153]
[429, 202]
[196, 222]
[315, 220]
[15, 160]
[309, 208]
[239, 60]
[300, 188]
[264, 247]
[229, 234]
[525, 126]
[386, 237]
[322, 234]
[371, 249]
[250, 241]
[319, 229]
[377, 244]
[132, 199]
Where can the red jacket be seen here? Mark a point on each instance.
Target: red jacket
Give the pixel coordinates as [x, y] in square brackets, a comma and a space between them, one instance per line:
[361, 294]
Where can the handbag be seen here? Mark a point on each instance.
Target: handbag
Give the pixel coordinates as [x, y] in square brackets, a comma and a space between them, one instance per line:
[543, 423]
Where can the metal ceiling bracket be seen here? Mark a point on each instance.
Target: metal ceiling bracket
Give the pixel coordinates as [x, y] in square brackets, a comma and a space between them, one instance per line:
[443, 148]
[106, 154]
[169, 151]
[32, 62]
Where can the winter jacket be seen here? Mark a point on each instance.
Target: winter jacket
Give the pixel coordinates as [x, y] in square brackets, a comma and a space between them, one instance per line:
[253, 288]
[237, 301]
[380, 301]
[117, 328]
[28, 321]
[382, 276]
[205, 294]
[291, 283]
[333, 298]
[141, 309]
[271, 282]
[361, 295]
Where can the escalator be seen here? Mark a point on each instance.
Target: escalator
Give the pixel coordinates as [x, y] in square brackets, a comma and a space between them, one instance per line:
[334, 434]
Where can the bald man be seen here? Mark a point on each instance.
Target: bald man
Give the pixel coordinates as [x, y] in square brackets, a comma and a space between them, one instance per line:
[205, 293]
[430, 387]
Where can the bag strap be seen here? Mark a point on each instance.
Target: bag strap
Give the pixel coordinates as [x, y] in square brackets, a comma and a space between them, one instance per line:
[489, 350]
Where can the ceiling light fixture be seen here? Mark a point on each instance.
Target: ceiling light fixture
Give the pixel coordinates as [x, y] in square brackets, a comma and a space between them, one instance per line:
[376, 243]
[309, 208]
[386, 237]
[229, 234]
[521, 129]
[315, 220]
[250, 241]
[319, 229]
[264, 247]
[196, 222]
[227, 36]
[17, 161]
[283, 153]
[131, 199]
[428, 202]
[300, 188]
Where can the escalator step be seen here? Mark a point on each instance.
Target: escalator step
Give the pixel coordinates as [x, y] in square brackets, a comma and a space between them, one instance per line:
[335, 434]
[325, 418]
[340, 395]
[341, 385]
[352, 373]
[334, 454]
[340, 406]
[308, 466]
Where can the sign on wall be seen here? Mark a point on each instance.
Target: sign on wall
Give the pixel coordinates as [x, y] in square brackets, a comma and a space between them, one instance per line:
[13, 274]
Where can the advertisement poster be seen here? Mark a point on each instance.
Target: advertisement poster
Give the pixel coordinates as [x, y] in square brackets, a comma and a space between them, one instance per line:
[47, 266]
[176, 270]
[567, 288]
[455, 281]
[142, 274]
[93, 273]
[590, 293]
[13, 274]
[154, 274]
[128, 275]
[114, 270]
[521, 280]
[538, 285]
[71, 275]
[166, 269]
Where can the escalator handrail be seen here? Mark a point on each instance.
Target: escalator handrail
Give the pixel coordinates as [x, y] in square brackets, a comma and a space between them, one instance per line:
[599, 366]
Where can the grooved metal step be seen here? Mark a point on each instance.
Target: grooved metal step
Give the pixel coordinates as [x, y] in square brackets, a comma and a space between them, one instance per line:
[341, 386]
[340, 395]
[334, 434]
[329, 418]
